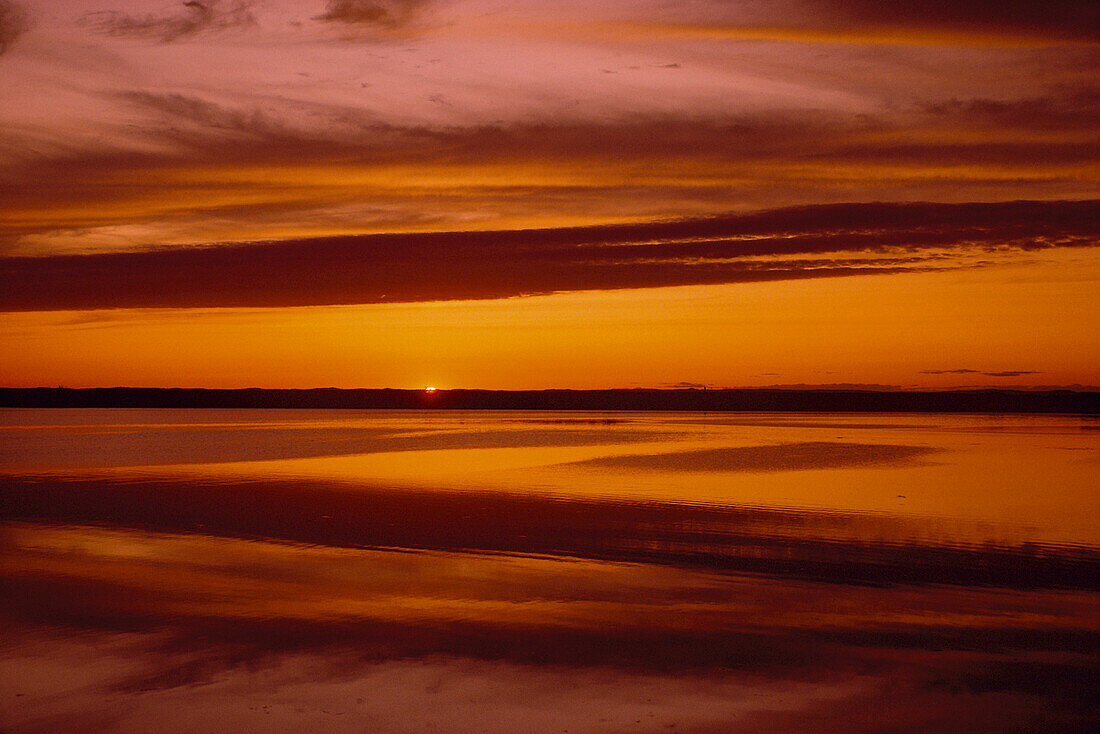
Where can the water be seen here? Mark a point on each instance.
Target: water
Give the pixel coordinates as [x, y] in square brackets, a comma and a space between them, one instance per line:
[180, 571]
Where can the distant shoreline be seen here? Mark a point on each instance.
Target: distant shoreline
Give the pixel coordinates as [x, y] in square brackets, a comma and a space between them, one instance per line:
[992, 400]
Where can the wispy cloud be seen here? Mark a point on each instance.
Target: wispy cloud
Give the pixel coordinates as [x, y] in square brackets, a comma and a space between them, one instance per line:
[965, 371]
[193, 17]
[502, 116]
[1074, 108]
[200, 168]
[14, 21]
[385, 13]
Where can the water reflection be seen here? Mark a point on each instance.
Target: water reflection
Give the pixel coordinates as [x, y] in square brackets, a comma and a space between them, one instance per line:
[594, 573]
[783, 457]
[834, 546]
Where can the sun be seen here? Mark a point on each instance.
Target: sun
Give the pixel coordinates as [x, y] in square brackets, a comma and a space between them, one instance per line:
[429, 389]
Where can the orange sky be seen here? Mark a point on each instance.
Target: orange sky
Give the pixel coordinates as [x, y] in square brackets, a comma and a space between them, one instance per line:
[167, 170]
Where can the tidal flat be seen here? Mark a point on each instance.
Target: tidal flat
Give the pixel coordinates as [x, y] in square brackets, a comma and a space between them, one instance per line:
[503, 571]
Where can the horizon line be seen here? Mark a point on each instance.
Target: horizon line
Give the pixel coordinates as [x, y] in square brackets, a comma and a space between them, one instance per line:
[682, 399]
[784, 387]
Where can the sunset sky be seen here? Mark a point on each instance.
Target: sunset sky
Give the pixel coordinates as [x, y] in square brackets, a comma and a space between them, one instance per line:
[527, 194]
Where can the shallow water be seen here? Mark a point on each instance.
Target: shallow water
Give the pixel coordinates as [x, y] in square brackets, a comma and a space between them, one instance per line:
[359, 571]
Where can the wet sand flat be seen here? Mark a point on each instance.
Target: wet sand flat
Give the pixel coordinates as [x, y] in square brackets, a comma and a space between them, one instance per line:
[462, 571]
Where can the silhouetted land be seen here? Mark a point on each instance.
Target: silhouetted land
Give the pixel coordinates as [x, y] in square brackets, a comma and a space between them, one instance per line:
[950, 401]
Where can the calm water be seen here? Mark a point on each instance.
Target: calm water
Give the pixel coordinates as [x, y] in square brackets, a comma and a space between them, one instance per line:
[345, 571]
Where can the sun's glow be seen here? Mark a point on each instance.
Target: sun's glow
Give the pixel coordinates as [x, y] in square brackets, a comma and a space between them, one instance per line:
[429, 389]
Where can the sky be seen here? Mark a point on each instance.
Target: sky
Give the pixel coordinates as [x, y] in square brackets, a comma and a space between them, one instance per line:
[524, 194]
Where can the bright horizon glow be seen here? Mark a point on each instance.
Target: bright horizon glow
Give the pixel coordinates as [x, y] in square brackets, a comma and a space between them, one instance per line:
[1013, 319]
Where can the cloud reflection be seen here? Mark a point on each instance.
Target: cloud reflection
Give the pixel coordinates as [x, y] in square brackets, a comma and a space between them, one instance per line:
[291, 634]
[784, 457]
[826, 546]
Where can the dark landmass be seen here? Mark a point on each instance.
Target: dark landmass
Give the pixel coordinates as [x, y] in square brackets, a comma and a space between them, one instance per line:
[854, 401]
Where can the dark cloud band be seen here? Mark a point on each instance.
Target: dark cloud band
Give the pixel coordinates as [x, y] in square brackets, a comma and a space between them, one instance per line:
[944, 20]
[829, 241]
[14, 21]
